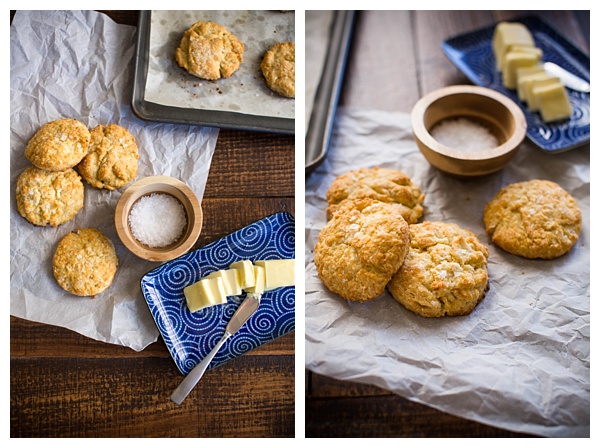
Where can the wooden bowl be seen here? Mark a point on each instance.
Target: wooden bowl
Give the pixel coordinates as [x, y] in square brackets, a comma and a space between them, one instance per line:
[166, 185]
[487, 107]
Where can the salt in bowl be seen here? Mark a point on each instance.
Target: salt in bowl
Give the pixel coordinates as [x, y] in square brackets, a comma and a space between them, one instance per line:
[159, 185]
[480, 105]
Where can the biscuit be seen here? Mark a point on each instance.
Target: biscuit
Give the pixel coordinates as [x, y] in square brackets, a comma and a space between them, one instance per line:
[383, 184]
[58, 145]
[445, 271]
[49, 197]
[360, 248]
[113, 158]
[85, 262]
[279, 69]
[533, 219]
[209, 51]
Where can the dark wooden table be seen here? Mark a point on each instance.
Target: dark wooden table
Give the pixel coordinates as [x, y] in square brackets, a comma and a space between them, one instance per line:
[405, 48]
[63, 384]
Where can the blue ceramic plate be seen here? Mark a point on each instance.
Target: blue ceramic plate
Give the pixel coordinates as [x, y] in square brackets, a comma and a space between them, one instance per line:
[472, 54]
[191, 336]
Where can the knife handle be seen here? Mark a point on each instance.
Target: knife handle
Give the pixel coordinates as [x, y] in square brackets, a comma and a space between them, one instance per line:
[192, 378]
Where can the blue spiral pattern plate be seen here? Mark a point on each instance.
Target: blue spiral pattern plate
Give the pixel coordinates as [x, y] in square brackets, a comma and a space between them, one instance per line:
[472, 54]
[191, 336]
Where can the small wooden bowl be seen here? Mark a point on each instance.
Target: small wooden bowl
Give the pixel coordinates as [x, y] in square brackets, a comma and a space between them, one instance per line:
[479, 104]
[166, 185]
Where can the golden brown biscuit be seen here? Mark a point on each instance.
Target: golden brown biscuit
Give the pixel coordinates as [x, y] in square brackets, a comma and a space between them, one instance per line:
[279, 68]
[113, 158]
[209, 51]
[445, 271]
[383, 184]
[49, 197]
[85, 262]
[360, 249]
[533, 219]
[58, 145]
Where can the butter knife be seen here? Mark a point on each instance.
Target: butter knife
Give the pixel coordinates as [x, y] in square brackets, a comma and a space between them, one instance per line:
[242, 314]
[567, 78]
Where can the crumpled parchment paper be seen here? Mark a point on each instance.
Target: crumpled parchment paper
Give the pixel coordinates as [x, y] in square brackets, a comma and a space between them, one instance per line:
[78, 64]
[521, 360]
[243, 92]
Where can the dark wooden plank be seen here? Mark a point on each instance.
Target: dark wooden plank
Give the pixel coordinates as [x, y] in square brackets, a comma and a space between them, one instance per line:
[36, 340]
[431, 29]
[381, 73]
[86, 397]
[252, 164]
[388, 415]
[226, 215]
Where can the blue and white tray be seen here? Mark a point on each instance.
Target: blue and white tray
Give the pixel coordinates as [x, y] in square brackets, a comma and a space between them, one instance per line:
[191, 336]
[472, 54]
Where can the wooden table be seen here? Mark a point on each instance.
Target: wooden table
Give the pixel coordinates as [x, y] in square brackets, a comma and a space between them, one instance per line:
[405, 48]
[63, 384]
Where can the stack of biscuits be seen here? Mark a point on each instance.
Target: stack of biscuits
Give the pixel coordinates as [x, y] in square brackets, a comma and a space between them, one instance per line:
[373, 240]
[51, 192]
[210, 51]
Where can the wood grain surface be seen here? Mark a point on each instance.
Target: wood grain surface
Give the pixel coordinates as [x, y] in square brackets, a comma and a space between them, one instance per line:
[395, 58]
[63, 384]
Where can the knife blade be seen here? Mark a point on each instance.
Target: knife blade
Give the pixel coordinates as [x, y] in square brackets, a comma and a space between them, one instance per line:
[239, 318]
[567, 78]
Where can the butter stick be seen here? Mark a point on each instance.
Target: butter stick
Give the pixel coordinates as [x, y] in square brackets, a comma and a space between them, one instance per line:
[204, 293]
[278, 273]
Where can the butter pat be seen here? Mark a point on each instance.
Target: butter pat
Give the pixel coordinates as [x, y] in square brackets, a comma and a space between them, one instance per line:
[553, 102]
[524, 84]
[231, 281]
[532, 100]
[204, 293]
[508, 35]
[537, 52]
[245, 271]
[512, 62]
[259, 281]
[278, 273]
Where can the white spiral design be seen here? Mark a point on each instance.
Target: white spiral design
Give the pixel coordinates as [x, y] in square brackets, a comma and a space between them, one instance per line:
[191, 336]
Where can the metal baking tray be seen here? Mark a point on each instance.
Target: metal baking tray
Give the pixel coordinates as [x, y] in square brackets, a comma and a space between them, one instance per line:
[156, 112]
[327, 94]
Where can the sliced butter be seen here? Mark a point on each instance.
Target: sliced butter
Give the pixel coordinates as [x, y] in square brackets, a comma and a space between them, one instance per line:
[532, 100]
[245, 271]
[204, 293]
[537, 52]
[512, 62]
[524, 84]
[259, 281]
[553, 102]
[231, 281]
[278, 273]
[507, 35]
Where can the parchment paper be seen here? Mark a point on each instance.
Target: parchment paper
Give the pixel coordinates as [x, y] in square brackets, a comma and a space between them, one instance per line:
[79, 65]
[521, 359]
[245, 91]
[316, 43]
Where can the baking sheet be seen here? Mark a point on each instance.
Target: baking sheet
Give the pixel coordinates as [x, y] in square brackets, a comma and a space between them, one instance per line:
[326, 55]
[472, 53]
[78, 64]
[163, 91]
[521, 360]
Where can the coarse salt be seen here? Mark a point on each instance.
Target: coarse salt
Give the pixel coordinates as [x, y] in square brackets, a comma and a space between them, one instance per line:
[157, 220]
[464, 134]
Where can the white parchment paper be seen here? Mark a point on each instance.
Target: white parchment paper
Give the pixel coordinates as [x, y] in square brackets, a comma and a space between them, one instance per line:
[521, 359]
[243, 92]
[79, 65]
